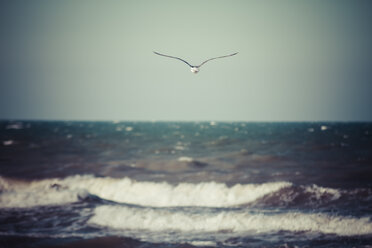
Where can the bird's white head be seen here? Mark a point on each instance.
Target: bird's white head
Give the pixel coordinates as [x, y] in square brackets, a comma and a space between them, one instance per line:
[194, 69]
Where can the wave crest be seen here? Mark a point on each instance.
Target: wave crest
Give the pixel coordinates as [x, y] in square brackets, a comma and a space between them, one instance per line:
[19, 194]
[15, 193]
[157, 220]
[126, 190]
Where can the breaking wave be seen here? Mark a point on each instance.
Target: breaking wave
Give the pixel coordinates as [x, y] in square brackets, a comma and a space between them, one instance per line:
[22, 194]
[157, 220]
[126, 190]
[315, 196]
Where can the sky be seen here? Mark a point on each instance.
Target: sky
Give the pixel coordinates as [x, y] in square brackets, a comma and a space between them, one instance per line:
[94, 60]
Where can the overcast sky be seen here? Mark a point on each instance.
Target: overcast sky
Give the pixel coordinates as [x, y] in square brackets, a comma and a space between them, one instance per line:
[93, 60]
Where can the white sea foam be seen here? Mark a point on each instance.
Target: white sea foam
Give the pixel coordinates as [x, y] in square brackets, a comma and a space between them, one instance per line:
[185, 159]
[159, 220]
[310, 195]
[179, 147]
[129, 129]
[16, 194]
[209, 194]
[17, 126]
[126, 190]
[323, 128]
[320, 192]
[203, 243]
[8, 142]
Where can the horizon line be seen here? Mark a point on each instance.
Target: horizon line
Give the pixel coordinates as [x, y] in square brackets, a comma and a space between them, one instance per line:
[175, 120]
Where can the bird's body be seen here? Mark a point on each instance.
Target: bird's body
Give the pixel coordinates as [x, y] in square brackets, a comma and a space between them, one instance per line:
[194, 68]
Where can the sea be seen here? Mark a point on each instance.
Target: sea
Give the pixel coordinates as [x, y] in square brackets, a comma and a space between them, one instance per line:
[185, 184]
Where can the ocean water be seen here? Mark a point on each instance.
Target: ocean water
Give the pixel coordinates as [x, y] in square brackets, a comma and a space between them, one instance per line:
[185, 184]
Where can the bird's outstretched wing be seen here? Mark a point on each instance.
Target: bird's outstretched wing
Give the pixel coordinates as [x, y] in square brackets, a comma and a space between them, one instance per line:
[174, 58]
[217, 58]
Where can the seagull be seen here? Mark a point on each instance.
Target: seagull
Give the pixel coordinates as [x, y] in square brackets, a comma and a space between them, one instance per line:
[195, 68]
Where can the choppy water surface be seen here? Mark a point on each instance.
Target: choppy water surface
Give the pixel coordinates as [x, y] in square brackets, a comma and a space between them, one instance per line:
[168, 184]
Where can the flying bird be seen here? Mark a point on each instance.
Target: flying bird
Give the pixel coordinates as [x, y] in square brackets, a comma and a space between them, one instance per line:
[195, 68]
